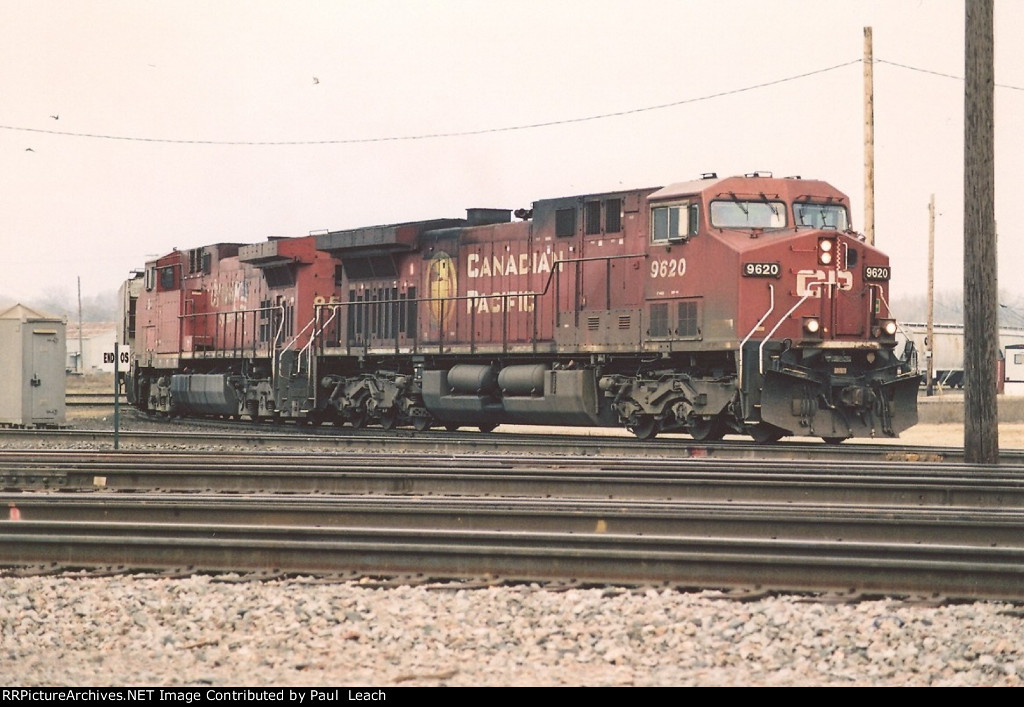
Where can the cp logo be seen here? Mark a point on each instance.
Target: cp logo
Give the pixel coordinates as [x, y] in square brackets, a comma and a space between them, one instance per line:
[810, 283]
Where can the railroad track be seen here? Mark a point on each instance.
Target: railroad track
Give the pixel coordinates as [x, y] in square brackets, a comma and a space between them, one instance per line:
[804, 522]
[767, 564]
[91, 399]
[702, 479]
[507, 440]
[918, 529]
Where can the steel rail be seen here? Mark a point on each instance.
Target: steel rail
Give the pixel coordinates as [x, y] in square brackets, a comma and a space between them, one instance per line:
[76, 399]
[951, 571]
[960, 526]
[704, 480]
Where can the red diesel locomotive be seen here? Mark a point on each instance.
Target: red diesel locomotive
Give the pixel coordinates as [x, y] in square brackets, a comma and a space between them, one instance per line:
[738, 305]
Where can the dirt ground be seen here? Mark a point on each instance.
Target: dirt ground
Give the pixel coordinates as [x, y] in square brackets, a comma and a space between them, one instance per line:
[1011, 435]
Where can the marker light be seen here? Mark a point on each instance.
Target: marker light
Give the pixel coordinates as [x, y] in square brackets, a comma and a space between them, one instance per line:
[826, 248]
[811, 325]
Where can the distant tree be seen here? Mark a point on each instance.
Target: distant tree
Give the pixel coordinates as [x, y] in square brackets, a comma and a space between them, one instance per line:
[101, 307]
[949, 308]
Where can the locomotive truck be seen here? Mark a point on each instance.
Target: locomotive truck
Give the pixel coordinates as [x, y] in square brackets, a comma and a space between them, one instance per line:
[739, 305]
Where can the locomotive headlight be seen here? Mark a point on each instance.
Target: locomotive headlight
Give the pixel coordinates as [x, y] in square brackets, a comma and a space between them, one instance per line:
[825, 258]
[886, 329]
[812, 325]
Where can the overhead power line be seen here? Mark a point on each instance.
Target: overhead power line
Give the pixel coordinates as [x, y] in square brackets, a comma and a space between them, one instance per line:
[939, 73]
[482, 131]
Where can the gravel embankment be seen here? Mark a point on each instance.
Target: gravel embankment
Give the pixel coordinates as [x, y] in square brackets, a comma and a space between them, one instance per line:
[125, 631]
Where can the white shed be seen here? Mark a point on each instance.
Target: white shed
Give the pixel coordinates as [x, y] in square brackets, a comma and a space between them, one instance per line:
[33, 347]
[1013, 375]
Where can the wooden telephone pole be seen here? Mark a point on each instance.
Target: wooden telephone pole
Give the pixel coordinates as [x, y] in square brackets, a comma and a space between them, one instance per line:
[931, 295]
[869, 138]
[981, 303]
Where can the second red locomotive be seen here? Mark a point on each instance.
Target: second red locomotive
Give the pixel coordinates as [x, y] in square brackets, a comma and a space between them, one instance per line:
[737, 305]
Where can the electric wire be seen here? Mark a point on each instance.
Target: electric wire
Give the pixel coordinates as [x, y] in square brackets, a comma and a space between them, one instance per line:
[491, 130]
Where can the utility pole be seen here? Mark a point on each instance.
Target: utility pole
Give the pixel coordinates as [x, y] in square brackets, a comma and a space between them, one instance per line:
[981, 302]
[931, 295]
[81, 352]
[869, 138]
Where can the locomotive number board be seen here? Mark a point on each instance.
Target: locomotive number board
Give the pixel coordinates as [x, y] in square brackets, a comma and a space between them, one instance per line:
[876, 272]
[762, 270]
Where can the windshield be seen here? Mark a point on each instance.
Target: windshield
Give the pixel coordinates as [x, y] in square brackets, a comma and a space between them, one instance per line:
[831, 216]
[748, 214]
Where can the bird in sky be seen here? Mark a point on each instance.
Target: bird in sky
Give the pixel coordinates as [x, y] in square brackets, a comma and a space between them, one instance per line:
[55, 117]
[29, 149]
[316, 80]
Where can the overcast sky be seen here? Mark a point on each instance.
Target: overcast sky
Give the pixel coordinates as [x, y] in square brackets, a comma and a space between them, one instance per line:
[128, 128]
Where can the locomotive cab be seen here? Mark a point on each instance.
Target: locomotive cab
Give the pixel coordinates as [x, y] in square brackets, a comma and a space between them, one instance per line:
[817, 337]
[769, 273]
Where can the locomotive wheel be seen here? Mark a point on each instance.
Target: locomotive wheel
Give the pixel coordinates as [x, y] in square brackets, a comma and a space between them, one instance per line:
[833, 440]
[358, 419]
[646, 427]
[389, 419]
[421, 424]
[765, 434]
[707, 430]
[486, 428]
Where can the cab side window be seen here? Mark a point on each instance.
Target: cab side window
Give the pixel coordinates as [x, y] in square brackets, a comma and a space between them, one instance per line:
[167, 279]
[674, 222]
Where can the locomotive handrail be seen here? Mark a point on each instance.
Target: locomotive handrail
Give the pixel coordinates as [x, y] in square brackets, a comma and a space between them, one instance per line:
[277, 339]
[308, 348]
[584, 260]
[771, 308]
[784, 317]
[888, 309]
[899, 326]
[443, 301]
[297, 336]
[217, 316]
[505, 297]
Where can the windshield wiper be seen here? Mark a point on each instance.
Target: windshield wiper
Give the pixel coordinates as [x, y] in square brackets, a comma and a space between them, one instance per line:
[773, 207]
[743, 207]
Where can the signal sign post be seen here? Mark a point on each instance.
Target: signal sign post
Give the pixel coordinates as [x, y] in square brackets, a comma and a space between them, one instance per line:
[117, 397]
[121, 356]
